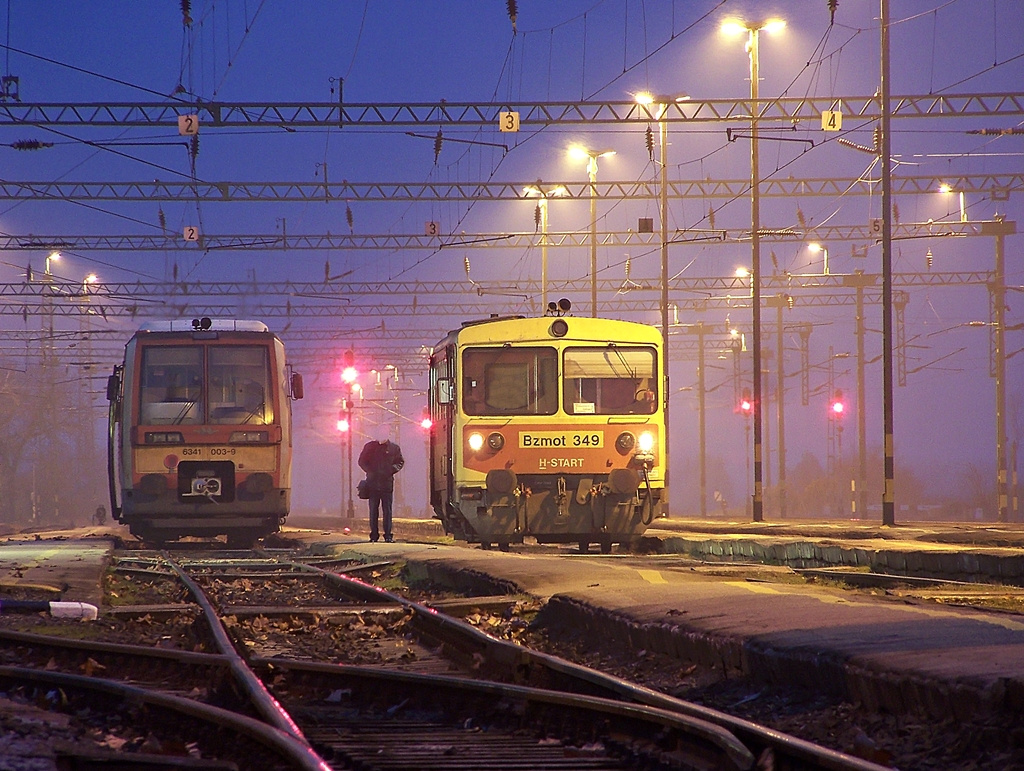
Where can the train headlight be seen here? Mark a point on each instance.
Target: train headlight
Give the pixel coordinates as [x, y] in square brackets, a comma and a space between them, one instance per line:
[476, 441]
[646, 442]
[495, 442]
[644, 455]
[625, 442]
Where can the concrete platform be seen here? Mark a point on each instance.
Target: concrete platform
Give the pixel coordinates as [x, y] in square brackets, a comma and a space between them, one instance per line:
[897, 655]
[939, 550]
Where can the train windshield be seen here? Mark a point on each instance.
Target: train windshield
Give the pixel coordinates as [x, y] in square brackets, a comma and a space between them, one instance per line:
[510, 381]
[238, 384]
[177, 389]
[610, 381]
[172, 385]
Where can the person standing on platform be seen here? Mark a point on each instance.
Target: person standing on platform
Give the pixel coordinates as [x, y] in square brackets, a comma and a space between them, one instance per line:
[381, 459]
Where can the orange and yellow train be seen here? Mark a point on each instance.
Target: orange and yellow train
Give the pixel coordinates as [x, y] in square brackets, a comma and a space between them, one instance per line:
[200, 431]
[549, 427]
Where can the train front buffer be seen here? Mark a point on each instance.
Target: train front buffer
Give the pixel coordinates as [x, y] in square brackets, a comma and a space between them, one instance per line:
[561, 484]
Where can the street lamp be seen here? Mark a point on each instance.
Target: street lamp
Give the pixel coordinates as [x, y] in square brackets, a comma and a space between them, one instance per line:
[54, 257]
[580, 153]
[753, 29]
[815, 248]
[946, 188]
[543, 194]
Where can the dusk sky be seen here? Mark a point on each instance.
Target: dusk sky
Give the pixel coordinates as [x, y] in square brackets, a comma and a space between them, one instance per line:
[470, 51]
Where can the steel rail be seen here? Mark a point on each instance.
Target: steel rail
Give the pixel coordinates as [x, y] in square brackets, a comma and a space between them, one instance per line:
[285, 746]
[264, 702]
[561, 673]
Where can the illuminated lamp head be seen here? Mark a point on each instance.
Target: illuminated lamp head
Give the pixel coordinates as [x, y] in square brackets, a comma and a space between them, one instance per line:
[646, 442]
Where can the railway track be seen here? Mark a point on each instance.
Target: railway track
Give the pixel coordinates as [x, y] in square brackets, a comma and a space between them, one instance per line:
[345, 674]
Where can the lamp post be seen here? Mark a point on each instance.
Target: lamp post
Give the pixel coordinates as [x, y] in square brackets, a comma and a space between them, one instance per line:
[815, 248]
[948, 189]
[647, 100]
[753, 30]
[51, 257]
[543, 194]
[580, 153]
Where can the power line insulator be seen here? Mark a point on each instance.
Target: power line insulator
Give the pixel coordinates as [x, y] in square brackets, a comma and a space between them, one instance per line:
[30, 144]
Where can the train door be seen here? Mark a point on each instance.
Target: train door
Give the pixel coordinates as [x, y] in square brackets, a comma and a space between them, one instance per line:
[442, 412]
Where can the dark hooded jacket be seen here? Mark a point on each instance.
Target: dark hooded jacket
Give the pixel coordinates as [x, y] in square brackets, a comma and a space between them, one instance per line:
[381, 461]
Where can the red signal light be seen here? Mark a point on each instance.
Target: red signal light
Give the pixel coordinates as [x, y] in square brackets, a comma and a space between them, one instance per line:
[426, 424]
[343, 425]
[838, 406]
[349, 373]
[746, 403]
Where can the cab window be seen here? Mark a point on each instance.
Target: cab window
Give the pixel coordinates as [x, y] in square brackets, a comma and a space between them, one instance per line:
[509, 381]
[172, 385]
[239, 385]
[610, 381]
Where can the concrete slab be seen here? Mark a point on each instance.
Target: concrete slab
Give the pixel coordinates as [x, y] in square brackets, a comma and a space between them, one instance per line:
[73, 567]
[923, 657]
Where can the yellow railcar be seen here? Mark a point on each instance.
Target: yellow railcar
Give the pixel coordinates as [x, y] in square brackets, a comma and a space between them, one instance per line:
[549, 427]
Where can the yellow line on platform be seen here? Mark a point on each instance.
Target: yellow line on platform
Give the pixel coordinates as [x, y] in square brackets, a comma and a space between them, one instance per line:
[920, 610]
[652, 576]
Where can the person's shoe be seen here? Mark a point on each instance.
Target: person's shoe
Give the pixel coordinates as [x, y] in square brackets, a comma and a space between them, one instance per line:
[374, 538]
[389, 538]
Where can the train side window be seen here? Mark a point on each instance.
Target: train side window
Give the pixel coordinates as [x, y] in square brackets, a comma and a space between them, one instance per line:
[444, 391]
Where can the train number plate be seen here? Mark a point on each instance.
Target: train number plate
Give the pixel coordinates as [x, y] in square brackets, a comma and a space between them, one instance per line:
[546, 440]
[208, 453]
